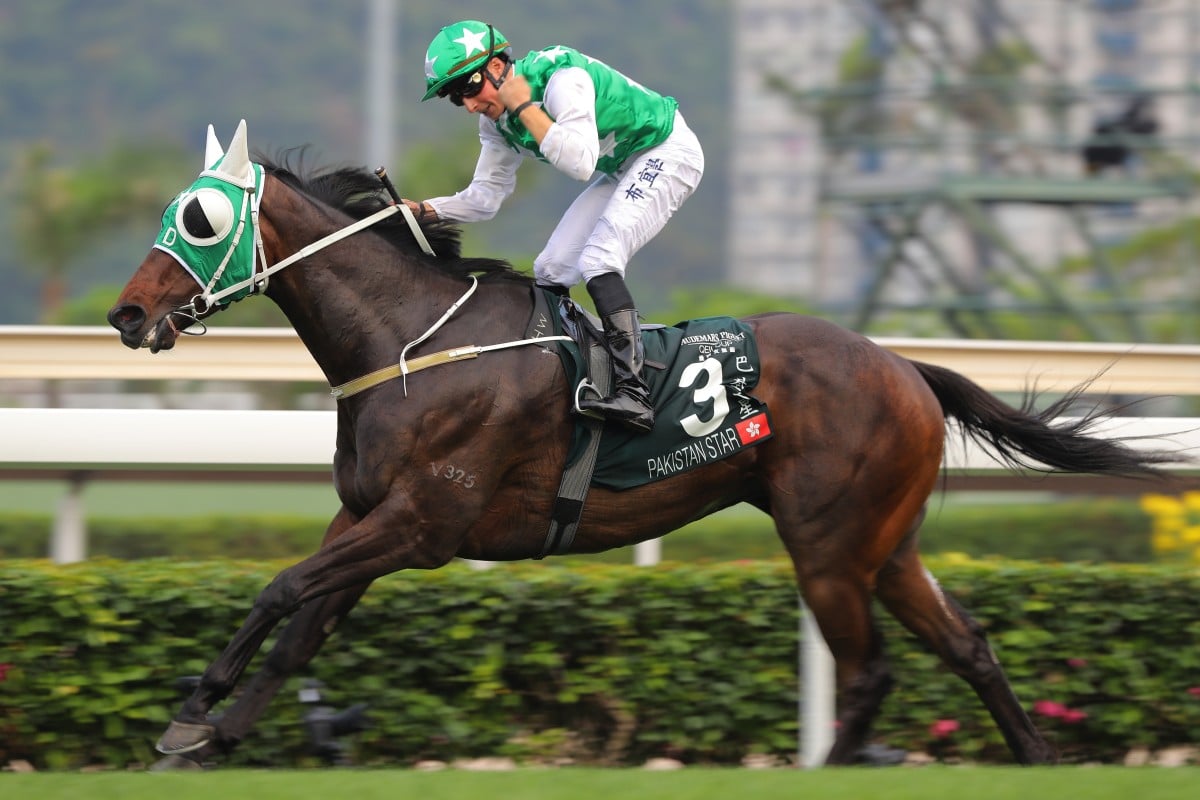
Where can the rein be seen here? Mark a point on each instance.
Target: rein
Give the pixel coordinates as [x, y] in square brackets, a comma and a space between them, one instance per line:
[258, 280]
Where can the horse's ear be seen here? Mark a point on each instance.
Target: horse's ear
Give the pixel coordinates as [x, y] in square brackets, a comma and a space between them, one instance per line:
[212, 149]
[237, 158]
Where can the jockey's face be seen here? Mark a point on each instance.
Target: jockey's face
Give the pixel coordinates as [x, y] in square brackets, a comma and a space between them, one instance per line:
[487, 101]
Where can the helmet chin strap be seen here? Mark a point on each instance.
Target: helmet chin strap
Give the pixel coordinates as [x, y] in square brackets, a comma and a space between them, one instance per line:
[487, 73]
[493, 80]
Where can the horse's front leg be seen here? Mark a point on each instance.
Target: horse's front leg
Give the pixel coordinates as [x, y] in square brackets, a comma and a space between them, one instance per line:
[367, 550]
[191, 730]
[300, 640]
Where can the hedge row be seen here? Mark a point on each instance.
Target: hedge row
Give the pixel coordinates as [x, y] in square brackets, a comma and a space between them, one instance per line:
[1091, 529]
[605, 664]
[1096, 529]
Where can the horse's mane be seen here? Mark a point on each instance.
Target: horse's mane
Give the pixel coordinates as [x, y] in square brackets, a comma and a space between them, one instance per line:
[359, 193]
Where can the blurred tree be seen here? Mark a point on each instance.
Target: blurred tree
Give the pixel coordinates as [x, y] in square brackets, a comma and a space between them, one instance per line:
[849, 111]
[62, 212]
[436, 167]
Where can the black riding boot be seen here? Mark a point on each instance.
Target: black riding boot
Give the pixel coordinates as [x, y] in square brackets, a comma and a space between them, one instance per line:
[629, 403]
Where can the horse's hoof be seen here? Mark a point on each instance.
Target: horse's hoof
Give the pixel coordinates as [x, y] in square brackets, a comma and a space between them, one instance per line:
[184, 737]
[175, 764]
[880, 755]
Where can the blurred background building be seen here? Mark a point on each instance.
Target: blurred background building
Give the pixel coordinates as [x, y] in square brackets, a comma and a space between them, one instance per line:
[975, 158]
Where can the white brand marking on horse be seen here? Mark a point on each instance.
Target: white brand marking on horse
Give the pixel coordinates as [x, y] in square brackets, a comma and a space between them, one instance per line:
[453, 474]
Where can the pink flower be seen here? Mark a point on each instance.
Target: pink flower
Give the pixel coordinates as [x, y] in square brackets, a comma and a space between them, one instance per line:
[1194, 691]
[1049, 708]
[1071, 716]
[943, 728]
[4, 668]
[1077, 662]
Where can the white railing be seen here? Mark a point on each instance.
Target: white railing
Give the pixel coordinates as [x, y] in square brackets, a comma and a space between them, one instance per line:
[37, 352]
[219, 444]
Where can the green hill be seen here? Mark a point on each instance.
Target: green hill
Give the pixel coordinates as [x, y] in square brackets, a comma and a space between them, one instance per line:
[84, 77]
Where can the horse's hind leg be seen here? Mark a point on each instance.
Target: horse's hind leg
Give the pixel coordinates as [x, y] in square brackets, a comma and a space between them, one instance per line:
[841, 605]
[911, 594]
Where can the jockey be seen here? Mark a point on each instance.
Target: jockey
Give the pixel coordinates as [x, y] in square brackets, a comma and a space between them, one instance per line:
[591, 122]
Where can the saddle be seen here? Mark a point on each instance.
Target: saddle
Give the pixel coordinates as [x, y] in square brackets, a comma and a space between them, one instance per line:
[700, 374]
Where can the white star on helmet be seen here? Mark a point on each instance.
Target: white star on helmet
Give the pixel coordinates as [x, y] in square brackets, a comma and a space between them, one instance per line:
[429, 70]
[472, 41]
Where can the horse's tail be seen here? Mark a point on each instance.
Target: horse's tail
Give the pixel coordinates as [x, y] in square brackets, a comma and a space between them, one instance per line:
[1027, 440]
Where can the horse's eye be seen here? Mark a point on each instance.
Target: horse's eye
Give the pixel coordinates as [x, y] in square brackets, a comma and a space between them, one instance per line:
[205, 218]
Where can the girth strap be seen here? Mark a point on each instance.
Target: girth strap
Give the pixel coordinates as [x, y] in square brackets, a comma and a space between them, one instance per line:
[577, 478]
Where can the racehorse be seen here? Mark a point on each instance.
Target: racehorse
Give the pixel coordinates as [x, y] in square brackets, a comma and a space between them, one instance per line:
[463, 460]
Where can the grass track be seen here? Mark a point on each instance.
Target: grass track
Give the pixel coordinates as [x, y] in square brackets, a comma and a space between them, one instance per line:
[975, 783]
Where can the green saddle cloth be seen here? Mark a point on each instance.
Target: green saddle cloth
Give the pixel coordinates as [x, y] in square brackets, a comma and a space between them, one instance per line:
[700, 373]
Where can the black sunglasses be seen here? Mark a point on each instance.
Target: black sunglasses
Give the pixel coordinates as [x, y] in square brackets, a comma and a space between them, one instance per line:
[467, 87]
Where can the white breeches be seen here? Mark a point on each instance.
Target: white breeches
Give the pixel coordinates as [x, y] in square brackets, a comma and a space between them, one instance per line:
[615, 216]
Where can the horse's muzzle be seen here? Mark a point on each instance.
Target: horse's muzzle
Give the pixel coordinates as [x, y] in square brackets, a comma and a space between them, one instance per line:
[130, 320]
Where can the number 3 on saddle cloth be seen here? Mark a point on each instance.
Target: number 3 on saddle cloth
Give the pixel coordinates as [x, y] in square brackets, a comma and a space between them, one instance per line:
[700, 373]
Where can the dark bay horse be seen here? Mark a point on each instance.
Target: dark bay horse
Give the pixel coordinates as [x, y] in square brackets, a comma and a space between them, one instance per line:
[464, 460]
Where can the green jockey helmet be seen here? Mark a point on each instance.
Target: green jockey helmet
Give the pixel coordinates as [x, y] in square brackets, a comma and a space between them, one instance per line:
[459, 50]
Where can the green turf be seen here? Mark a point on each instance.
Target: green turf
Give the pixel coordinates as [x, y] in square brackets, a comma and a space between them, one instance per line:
[965, 783]
[158, 499]
[1028, 525]
[168, 498]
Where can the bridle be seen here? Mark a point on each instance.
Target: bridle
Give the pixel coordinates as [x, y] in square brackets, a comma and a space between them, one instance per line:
[208, 301]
